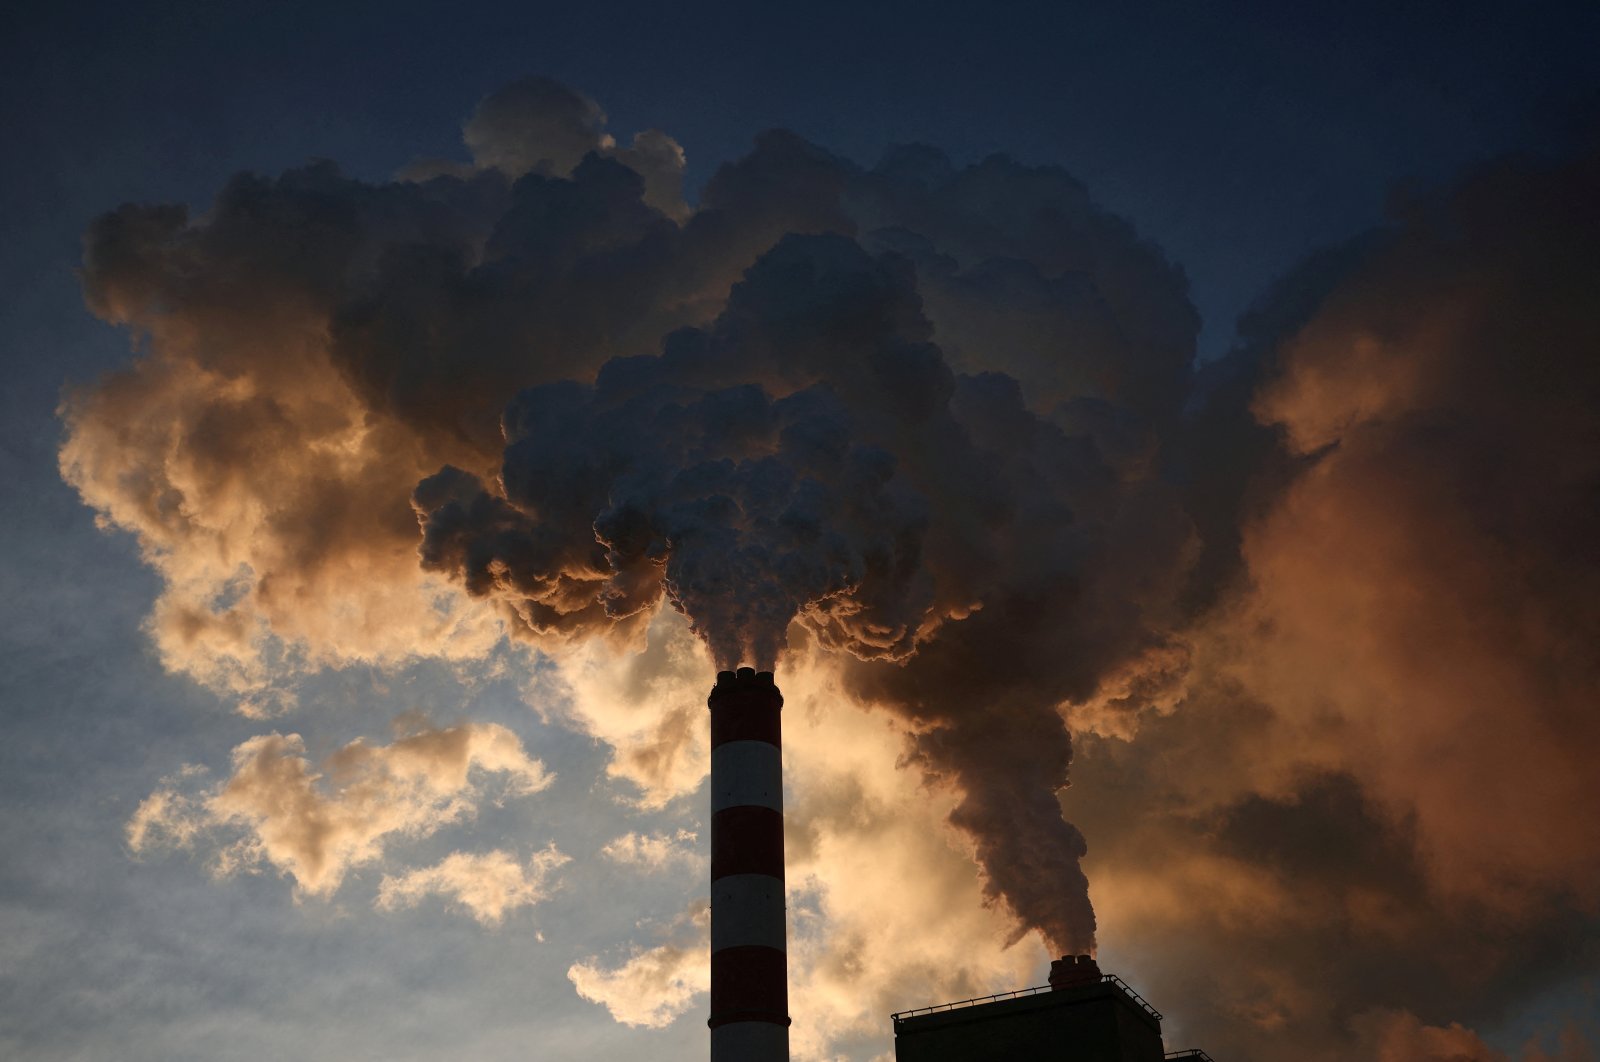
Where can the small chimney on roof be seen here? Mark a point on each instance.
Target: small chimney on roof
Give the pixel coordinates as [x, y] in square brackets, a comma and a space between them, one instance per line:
[1070, 971]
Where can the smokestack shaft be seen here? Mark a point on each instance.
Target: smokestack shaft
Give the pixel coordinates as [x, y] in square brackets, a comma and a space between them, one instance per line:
[749, 950]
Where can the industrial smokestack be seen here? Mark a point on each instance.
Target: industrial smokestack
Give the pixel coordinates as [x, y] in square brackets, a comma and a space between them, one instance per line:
[1070, 971]
[749, 950]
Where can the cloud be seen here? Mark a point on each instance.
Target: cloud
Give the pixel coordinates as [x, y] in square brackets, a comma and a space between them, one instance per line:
[269, 499]
[1400, 1037]
[885, 912]
[1426, 585]
[1572, 1044]
[169, 817]
[541, 126]
[647, 706]
[1369, 769]
[653, 986]
[656, 851]
[316, 823]
[488, 885]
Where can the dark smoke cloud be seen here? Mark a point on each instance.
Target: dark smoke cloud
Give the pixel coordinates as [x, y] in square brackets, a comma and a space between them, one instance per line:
[1389, 728]
[678, 473]
[878, 402]
[810, 457]
[811, 454]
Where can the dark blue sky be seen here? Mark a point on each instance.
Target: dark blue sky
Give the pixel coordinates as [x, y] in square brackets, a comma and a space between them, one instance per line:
[1236, 135]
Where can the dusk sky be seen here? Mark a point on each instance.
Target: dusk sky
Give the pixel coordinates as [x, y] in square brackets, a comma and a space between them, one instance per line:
[408, 409]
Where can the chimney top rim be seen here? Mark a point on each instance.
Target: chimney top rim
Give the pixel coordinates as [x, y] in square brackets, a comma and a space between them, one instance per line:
[746, 676]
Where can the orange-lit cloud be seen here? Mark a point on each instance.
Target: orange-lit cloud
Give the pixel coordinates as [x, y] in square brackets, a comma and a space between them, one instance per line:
[656, 851]
[488, 885]
[1372, 771]
[654, 985]
[315, 823]
[873, 865]
[1399, 1037]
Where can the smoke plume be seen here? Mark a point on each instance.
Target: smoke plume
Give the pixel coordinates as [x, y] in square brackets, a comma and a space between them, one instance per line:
[810, 457]
[746, 412]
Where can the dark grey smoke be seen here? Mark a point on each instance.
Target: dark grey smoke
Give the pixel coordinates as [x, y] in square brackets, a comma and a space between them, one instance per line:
[916, 409]
[812, 457]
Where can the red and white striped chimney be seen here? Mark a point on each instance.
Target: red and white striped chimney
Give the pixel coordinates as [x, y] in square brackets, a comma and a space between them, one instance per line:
[749, 954]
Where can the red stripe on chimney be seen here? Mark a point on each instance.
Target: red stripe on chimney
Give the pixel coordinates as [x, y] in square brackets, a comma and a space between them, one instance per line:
[753, 717]
[747, 840]
[749, 984]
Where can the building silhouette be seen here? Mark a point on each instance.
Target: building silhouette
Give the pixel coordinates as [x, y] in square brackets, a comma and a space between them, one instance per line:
[1083, 1015]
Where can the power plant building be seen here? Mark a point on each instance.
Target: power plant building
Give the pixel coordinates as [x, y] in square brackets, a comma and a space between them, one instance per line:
[1082, 1016]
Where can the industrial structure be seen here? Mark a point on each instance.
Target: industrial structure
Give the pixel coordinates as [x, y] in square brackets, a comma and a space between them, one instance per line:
[1083, 1015]
[749, 948]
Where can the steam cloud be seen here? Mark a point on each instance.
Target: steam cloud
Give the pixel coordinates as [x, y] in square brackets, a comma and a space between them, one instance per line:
[941, 428]
[810, 456]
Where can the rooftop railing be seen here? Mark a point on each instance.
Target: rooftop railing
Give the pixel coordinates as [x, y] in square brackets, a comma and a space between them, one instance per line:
[1112, 979]
[1193, 1053]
